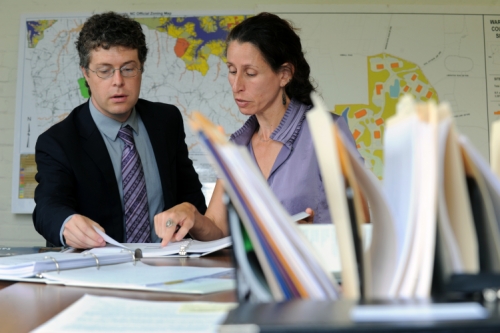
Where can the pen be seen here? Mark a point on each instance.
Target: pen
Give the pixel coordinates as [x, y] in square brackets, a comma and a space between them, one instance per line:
[51, 249]
[221, 275]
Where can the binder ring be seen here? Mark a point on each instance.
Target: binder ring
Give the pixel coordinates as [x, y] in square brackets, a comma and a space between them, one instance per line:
[96, 259]
[55, 262]
[132, 253]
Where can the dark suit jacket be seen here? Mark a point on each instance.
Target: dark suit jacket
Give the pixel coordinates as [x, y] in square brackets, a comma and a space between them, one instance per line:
[76, 176]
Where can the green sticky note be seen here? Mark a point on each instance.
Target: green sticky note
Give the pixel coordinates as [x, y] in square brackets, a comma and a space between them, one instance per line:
[83, 88]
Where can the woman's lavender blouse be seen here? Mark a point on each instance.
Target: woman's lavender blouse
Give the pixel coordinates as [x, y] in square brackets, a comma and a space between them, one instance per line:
[295, 177]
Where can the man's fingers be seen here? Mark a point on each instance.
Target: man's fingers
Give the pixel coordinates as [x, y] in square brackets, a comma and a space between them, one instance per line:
[99, 226]
[80, 233]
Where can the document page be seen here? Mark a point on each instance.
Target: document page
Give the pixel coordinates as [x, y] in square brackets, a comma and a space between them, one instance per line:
[112, 314]
[323, 238]
[191, 247]
[198, 280]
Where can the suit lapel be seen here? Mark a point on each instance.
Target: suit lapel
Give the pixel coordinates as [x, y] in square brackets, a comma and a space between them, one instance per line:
[93, 144]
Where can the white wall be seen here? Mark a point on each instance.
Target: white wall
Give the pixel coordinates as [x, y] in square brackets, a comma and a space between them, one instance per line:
[17, 229]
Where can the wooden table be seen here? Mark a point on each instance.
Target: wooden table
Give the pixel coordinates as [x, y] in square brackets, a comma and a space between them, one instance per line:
[25, 306]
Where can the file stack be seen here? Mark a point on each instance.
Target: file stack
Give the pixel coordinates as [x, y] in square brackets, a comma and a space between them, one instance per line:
[435, 216]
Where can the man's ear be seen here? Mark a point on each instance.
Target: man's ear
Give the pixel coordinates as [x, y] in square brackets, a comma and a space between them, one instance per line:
[286, 71]
[85, 73]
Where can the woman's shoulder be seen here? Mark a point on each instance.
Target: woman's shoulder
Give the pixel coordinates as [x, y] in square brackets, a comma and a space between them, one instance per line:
[243, 135]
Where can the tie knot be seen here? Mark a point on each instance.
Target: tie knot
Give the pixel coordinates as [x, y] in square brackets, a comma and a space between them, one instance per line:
[126, 135]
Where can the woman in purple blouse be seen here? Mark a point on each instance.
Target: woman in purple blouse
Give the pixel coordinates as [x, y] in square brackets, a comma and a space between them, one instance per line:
[269, 77]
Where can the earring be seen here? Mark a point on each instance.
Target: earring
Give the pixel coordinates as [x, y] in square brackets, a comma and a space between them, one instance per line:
[283, 96]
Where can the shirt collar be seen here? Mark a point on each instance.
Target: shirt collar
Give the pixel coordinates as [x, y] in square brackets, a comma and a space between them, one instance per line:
[111, 127]
[286, 132]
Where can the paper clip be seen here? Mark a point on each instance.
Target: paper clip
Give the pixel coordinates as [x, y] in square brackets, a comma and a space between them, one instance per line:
[55, 262]
[95, 257]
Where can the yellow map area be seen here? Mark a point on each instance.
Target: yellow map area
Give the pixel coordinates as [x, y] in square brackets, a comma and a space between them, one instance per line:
[389, 77]
[35, 30]
[196, 37]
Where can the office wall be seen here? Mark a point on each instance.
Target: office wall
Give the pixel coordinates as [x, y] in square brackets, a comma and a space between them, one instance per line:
[17, 229]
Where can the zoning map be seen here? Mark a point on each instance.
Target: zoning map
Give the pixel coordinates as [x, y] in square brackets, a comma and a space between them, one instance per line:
[361, 63]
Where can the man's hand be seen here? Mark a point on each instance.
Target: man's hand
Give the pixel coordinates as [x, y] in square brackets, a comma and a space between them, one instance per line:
[79, 233]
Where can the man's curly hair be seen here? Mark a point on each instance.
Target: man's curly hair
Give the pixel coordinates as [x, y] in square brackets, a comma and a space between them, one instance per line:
[107, 30]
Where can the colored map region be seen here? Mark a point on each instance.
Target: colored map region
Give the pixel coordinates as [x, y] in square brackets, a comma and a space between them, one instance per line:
[35, 30]
[185, 66]
[196, 38]
[389, 77]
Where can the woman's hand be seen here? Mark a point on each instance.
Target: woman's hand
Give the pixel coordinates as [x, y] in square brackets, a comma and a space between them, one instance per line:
[309, 219]
[175, 222]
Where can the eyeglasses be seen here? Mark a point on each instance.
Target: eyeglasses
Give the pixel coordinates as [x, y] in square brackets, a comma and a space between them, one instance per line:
[125, 71]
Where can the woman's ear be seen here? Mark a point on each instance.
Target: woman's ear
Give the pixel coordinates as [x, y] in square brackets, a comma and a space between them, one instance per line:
[286, 71]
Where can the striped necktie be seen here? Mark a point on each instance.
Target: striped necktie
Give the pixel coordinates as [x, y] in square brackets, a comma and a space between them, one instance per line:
[135, 197]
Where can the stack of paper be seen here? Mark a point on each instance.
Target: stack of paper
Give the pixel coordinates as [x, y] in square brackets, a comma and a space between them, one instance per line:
[277, 261]
[435, 214]
[365, 274]
[445, 200]
[111, 314]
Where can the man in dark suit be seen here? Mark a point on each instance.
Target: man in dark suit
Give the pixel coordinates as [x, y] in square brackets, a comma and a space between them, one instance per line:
[80, 162]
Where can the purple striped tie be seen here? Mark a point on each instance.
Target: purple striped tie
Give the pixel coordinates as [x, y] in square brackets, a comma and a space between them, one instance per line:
[135, 197]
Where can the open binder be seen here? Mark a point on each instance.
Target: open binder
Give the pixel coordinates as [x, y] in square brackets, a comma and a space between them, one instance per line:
[32, 265]
[184, 248]
[119, 270]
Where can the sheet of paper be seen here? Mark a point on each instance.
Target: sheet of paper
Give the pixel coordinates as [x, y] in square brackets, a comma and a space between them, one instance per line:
[111, 314]
[193, 248]
[322, 237]
[128, 273]
[109, 239]
[300, 216]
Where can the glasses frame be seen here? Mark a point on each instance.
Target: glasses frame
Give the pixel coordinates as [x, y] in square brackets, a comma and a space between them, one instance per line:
[113, 70]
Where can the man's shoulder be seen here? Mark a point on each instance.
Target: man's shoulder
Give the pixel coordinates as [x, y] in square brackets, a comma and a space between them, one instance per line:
[157, 110]
[144, 104]
[69, 125]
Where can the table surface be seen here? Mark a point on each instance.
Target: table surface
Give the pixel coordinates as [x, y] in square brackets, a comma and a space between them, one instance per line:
[25, 306]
